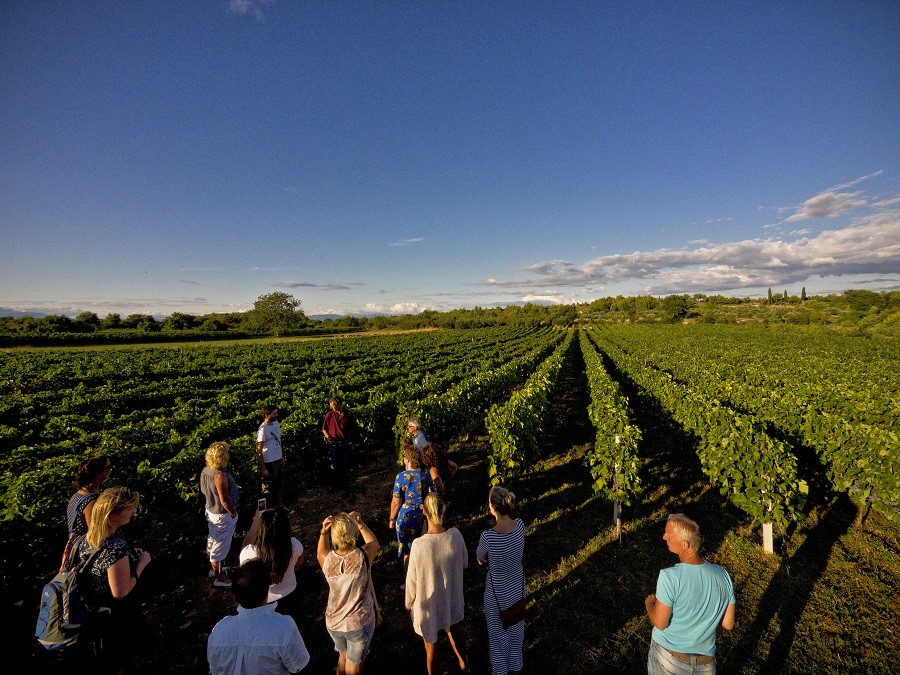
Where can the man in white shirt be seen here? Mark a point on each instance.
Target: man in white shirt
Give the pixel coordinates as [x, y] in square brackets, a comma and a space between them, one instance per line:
[271, 455]
[258, 641]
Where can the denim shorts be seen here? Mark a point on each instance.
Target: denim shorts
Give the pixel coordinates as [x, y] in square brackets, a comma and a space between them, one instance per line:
[355, 642]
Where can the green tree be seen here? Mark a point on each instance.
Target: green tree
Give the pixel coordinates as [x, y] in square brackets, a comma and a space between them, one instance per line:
[675, 307]
[87, 322]
[213, 323]
[112, 320]
[770, 296]
[275, 313]
[803, 294]
[862, 301]
[178, 321]
[55, 323]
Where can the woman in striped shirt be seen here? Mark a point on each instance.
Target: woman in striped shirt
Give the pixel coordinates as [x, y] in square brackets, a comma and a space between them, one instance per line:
[501, 549]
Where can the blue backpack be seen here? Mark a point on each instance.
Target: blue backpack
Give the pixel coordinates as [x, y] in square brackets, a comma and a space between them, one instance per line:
[63, 609]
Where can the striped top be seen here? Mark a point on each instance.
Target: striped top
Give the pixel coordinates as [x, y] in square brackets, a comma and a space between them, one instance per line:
[503, 552]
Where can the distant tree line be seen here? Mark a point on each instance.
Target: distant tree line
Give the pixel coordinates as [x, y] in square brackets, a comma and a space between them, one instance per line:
[859, 311]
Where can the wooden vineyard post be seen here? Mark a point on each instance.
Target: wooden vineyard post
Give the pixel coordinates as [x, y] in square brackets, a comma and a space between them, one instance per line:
[768, 543]
[617, 512]
[768, 539]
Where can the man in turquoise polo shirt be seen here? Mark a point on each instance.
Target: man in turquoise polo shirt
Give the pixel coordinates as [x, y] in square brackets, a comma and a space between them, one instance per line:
[692, 599]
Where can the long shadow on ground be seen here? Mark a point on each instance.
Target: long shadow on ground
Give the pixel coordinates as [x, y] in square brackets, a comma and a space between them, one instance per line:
[787, 596]
[587, 588]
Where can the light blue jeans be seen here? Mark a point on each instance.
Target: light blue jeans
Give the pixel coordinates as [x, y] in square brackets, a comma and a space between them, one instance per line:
[356, 642]
[661, 662]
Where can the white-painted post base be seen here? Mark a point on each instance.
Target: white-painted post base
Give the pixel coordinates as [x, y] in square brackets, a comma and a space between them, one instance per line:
[768, 543]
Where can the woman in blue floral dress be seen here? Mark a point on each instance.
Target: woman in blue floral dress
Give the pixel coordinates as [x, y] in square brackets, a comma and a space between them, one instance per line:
[410, 488]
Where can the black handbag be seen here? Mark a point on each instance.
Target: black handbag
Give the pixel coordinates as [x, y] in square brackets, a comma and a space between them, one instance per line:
[518, 612]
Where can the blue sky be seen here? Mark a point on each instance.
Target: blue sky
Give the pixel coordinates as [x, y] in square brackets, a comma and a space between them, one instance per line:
[400, 156]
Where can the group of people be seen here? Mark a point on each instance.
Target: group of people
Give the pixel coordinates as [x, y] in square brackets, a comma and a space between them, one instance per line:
[691, 600]
[434, 596]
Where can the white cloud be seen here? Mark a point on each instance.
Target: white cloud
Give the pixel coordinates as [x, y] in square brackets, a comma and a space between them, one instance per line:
[870, 245]
[396, 308]
[845, 186]
[827, 205]
[307, 284]
[408, 242]
[252, 8]
[102, 306]
[830, 203]
[884, 203]
[548, 299]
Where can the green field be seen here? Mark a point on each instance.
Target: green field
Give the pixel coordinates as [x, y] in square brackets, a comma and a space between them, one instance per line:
[694, 402]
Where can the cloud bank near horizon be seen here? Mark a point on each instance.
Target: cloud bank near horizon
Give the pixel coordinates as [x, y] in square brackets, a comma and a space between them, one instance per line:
[869, 245]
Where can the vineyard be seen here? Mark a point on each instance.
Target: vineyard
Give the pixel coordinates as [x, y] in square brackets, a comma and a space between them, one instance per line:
[793, 431]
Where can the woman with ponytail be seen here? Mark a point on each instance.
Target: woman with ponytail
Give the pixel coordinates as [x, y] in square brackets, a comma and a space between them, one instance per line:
[434, 586]
[88, 478]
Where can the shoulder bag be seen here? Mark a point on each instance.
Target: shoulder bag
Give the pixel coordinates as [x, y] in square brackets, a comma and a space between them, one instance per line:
[518, 612]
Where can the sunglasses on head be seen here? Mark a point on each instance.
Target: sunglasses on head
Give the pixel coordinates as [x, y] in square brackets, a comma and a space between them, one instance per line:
[127, 496]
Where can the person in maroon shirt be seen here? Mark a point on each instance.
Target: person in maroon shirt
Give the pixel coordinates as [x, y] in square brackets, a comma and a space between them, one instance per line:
[338, 427]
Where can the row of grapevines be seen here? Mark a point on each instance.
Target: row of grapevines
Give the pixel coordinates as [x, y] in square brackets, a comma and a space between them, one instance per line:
[843, 404]
[614, 459]
[156, 410]
[514, 426]
[443, 414]
[758, 472]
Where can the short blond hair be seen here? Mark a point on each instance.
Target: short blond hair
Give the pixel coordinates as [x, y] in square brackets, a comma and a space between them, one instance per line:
[218, 455]
[344, 532]
[434, 508]
[685, 529]
[111, 500]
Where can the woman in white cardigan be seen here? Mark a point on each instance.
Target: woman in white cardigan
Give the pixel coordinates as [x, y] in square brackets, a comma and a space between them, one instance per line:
[434, 586]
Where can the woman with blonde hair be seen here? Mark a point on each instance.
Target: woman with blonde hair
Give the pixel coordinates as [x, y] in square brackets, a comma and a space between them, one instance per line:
[350, 614]
[434, 586]
[113, 575]
[221, 495]
[410, 488]
[501, 549]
